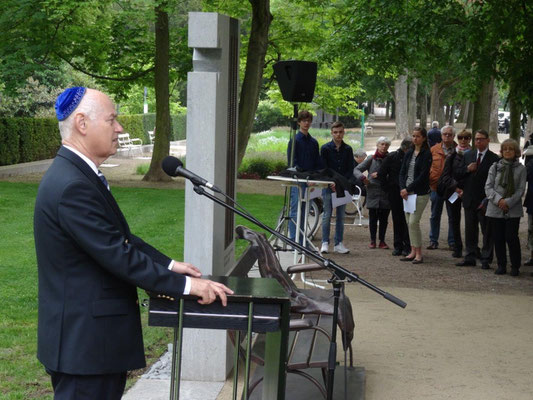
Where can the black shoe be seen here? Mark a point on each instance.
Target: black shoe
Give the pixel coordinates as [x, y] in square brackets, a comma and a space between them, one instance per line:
[485, 266]
[433, 246]
[457, 254]
[397, 252]
[466, 264]
[405, 253]
[407, 259]
[529, 263]
[514, 272]
[421, 261]
[500, 271]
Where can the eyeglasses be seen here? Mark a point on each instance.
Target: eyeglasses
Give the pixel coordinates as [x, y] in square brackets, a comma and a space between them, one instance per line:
[464, 137]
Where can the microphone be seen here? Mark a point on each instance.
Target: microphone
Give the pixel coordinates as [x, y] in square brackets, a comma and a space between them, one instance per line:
[174, 167]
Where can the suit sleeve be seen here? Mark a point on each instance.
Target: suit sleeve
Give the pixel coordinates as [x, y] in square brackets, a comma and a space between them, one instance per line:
[83, 216]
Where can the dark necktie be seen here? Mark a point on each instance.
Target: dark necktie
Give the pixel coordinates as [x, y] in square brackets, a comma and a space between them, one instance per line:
[103, 179]
[479, 155]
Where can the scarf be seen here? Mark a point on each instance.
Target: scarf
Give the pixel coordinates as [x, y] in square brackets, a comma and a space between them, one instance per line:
[461, 149]
[507, 177]
[378, 155]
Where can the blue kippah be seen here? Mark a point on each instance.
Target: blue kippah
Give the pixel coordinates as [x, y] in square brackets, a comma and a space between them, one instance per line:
[68, 101]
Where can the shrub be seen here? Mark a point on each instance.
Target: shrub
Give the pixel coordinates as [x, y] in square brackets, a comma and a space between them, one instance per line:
[261, 165]
[267, 116]
[39, 137]
[9, 143]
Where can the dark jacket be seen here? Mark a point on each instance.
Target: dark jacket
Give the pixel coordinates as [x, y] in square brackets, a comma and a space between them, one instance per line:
[528, 202]
[89, 267]
[449, 180]
[420, 185]
[474, 182]
[341, 160]
[306, 154]
[389, 172]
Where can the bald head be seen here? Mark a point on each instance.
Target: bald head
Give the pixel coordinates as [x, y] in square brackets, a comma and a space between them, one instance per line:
[92, 128]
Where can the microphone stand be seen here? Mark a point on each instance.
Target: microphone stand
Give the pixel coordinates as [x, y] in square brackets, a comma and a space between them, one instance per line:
[340, 275]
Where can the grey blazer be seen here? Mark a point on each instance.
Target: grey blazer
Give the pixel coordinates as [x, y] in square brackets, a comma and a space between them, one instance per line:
[495, 191]
[376, 197]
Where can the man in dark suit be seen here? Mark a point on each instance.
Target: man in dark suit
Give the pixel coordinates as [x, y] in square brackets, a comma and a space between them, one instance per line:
[90, 264]
[474, 172]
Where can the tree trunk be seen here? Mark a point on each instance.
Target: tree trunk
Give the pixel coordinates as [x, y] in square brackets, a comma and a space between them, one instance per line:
[387, 110]
[423, 100]
[451, 117]
[434, 101]
[400, 94]
[162, 109]
[393, 110]
[469, 115]
[447, 110]
[253, 75]
[482, 107]
[493, 120]
[411, 118]
[515, 110]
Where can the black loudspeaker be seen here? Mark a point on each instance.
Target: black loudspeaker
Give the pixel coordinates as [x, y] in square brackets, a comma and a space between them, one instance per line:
[296, 80]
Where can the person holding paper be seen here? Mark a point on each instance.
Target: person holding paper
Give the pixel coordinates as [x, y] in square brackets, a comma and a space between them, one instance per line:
[389, 175]
[505, 186]
[439, 153]
[452, 187]
[414, 180]
[338, 156]
[377, 199]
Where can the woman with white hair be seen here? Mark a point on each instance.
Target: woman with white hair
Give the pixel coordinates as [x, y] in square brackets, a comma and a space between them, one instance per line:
[377, 199]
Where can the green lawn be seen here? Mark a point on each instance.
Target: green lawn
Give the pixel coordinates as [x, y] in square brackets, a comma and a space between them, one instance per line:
[156, 215]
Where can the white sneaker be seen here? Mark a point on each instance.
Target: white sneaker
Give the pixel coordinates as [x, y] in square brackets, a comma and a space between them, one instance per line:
[324, 248]
[340, 249]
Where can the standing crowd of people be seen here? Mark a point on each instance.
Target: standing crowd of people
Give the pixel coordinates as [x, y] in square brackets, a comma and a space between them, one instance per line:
[436, 167]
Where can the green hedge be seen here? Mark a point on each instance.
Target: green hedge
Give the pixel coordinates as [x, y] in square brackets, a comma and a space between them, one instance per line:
[28, 139]
[32, 139]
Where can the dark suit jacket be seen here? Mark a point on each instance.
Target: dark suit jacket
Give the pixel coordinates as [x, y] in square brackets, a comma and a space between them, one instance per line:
[474, 182]
[89, 265]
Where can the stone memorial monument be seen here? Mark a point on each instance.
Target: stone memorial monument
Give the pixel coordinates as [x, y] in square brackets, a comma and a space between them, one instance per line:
[211, 153]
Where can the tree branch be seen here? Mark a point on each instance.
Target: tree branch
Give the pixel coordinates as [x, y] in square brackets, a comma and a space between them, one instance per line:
[108, 78]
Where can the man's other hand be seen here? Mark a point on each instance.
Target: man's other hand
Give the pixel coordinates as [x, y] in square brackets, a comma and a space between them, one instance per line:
[208, 291]
[186, 269]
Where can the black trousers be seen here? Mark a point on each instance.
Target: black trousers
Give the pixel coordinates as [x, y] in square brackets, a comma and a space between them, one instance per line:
[474, 219]
[87, 387]
[399, 225]
[454, 210]
[505, 231]
[375, 215]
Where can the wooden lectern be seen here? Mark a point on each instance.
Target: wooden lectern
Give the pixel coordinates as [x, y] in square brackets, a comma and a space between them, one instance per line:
[257, 305]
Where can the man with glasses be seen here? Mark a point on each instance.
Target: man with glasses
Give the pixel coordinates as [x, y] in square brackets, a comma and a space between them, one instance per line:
[439, 152]
[474, 170]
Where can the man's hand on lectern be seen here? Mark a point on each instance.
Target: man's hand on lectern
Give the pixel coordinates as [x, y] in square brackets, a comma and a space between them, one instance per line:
[208, 291]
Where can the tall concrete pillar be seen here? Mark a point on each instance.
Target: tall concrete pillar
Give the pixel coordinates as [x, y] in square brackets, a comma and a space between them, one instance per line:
[211, 153]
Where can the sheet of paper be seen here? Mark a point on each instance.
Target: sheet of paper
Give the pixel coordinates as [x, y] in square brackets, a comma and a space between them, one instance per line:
[409, 205]
[339, 201]
[314, 192]
[453, 197]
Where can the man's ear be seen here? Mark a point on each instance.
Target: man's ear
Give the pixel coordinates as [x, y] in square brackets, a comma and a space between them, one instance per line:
[80, 123]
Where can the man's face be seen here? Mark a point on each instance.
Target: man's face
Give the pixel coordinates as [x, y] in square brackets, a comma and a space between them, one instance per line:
[481, 142]
[447, 137]
[305, 124]
[103, 129]
[337, 134]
